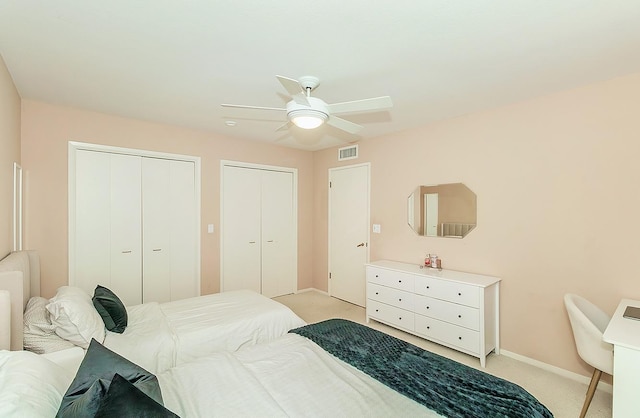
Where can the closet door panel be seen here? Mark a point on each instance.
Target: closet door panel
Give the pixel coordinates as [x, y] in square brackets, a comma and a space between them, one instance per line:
[156, 215]
[92, 221]
[278, 275]
[241, 239]
[182, 230]
[125, 228]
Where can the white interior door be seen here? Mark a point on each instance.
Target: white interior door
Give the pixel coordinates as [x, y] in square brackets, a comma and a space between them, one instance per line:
[92, 262]
[168, 208]
[348, 232]
[126, 228]
[156, 216]
[183, 256]
[278, 263]
[431, 214]
[241, 231]
[108, 224]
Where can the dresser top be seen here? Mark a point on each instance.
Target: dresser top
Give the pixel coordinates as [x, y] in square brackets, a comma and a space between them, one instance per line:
[452, 275]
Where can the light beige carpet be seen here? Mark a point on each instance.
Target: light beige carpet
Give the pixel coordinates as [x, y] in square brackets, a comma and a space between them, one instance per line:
[564, 397]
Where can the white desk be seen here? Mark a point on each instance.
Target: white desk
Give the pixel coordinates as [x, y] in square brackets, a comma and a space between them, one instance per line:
[624, 334]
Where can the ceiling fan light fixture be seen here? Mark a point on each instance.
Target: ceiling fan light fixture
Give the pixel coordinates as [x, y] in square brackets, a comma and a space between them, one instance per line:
[307, 118]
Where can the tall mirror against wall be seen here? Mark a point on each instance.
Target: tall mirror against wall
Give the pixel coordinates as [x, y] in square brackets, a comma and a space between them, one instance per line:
[443, 210]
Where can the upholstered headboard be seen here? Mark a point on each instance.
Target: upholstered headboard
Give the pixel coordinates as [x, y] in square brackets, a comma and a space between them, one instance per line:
[19, 280]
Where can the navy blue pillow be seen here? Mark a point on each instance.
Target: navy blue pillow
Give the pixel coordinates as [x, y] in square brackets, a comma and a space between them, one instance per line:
[111, 309]
[94, 377]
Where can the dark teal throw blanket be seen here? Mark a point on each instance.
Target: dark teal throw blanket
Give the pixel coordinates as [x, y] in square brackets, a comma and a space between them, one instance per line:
[450, 388]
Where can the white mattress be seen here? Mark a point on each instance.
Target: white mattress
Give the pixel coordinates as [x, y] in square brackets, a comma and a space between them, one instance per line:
[160, 336]
[290, 376]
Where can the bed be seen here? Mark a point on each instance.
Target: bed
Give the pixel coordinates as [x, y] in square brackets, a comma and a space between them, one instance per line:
[158, 336]
[333, 368]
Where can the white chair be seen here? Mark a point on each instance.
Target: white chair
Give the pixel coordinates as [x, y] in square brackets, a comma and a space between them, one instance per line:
[588, 323]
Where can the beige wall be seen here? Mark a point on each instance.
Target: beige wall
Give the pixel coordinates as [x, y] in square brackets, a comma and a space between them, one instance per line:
[9, 153]
[556, 180]
[558, 186]
[46, 130]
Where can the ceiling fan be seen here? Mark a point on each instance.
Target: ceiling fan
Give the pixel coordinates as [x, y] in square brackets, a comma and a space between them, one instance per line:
[309, 112]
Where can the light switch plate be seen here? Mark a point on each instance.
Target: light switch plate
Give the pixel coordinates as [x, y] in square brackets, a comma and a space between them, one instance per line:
[376, 228]
[210, 228]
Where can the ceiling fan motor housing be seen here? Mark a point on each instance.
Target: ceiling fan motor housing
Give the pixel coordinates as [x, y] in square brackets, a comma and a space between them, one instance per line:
[317, 108]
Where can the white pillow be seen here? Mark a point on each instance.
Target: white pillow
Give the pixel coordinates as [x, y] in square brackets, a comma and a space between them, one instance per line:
[74, 316]
[39, 333]
[30, 386]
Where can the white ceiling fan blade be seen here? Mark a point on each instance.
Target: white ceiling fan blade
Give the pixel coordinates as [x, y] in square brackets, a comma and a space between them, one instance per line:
[294, 89]
[365, 105]
[251, 107]
[290, 85]
[343, 124]
[284, 127]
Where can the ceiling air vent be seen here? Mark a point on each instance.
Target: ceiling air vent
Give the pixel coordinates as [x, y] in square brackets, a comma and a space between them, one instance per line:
[348, 153]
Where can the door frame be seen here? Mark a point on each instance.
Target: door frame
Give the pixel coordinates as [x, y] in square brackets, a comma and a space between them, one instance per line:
[75, 146]
[240, 164]
[331, 170]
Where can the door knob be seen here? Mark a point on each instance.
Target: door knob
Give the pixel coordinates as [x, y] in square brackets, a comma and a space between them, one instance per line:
[360, 245]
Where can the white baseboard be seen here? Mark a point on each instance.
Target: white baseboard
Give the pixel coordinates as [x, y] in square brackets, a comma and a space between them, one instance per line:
[606, 387]
[312, 289]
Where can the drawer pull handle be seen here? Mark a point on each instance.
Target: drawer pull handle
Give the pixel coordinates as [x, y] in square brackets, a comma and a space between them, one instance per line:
[399, 300]
[376, 275]
[459, 316]
[376, 310]
[427, 307]
[459, 294]
[428, 327]
[459, 338]
[427, 287]
[399, 281]
[400, 318]
[377, 293]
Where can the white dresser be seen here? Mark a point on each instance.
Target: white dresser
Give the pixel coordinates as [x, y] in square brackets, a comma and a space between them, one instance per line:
[452, 308]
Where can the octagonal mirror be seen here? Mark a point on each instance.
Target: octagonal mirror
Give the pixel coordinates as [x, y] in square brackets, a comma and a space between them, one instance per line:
[443, 210]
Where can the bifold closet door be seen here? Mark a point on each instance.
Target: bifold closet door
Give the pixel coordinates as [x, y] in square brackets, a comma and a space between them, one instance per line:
[258, 234]
[278, 264]
[168, 226]
[108, 224]
[241, 241]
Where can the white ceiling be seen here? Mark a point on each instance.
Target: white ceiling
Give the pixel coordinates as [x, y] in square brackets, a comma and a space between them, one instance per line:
[176, 61]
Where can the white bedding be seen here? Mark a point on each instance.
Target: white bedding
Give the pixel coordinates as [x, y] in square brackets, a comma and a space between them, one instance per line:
[290, 376]
[147, 341]
[160, 336]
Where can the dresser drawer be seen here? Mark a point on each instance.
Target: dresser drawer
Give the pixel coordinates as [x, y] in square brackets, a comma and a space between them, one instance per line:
[464, 316]
[448, 334]
[397, 280]
[390, 296]
[450, 291]
[390, 314]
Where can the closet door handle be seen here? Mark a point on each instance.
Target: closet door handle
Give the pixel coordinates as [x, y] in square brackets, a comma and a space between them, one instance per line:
[126, 251]
[157, 249]
[270, 240]
[252, 242]
[360, 245]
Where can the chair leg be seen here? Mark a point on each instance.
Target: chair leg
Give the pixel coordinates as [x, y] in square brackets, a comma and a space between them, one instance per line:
[595, 378]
